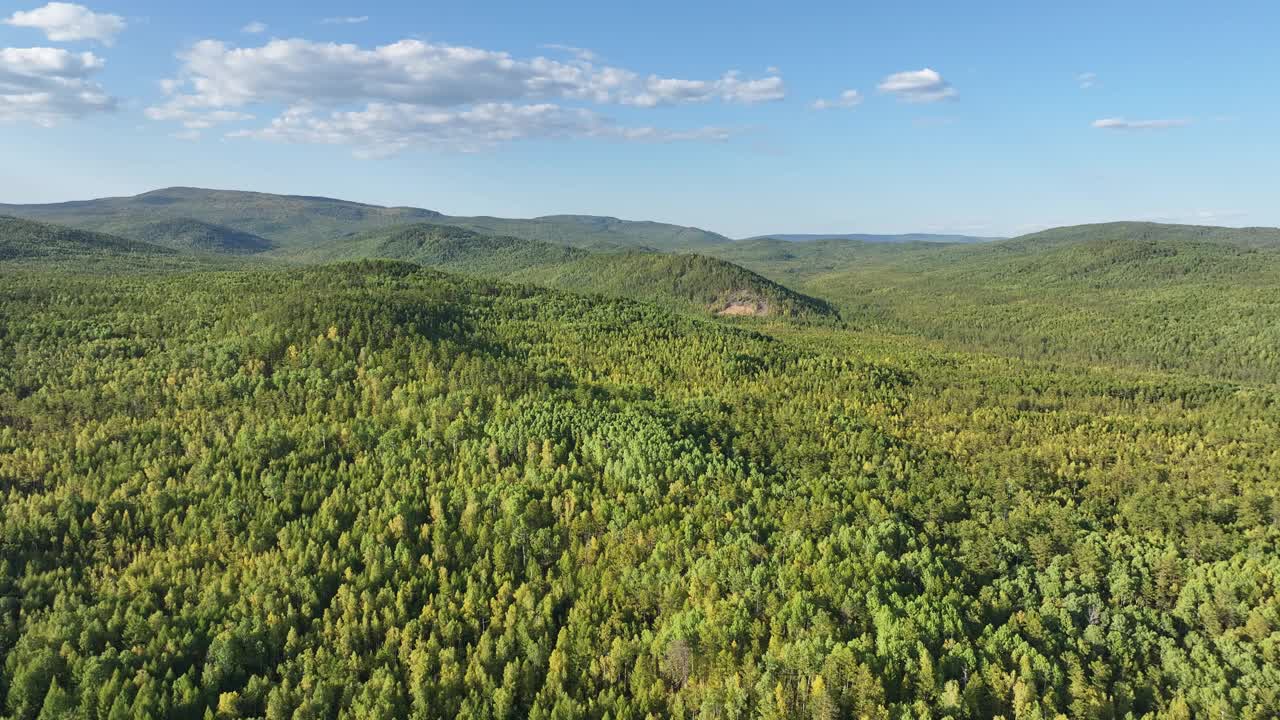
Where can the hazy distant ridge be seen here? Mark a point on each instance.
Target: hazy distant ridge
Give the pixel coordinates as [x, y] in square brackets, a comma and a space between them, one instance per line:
[867, 237]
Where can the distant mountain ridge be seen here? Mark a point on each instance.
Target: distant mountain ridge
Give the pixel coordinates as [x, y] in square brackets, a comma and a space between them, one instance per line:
[874, 238]
[687, 281]
[296, 221]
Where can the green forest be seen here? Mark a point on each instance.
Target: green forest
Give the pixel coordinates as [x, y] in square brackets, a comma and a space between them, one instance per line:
[426, 471]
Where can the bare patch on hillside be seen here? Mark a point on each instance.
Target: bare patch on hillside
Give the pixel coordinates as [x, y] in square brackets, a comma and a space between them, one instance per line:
[744, 308]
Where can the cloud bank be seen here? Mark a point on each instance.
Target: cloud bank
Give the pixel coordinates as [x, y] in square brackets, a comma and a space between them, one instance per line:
[416, 93]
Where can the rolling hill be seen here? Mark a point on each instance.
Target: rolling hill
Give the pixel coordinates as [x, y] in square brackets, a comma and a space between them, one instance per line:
[697, 282]
[27, 240]
[687, 282]
[1143, 294]
[294, 221]
[193, 235]
[443, 247]
[286, 220]
[597, 232]
[872, 238]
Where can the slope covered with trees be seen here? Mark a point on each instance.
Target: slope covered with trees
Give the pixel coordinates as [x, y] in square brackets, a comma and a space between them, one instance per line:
[286, 220]
[193, 235]
[1144, 295]
[23, 239]
[688, 282]
[698, 282]
[444, 247]
[372, 490]
[294, 221]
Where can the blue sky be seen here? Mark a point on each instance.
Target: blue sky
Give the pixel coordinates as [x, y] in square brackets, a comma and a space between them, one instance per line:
[744, 118]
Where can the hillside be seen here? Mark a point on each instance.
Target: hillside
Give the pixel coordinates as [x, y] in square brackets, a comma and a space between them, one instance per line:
[282, 219]
[698, 282]
[293, 221]
[372, 490]
[1141, 294]
[1153, 232]
[871, 238]
[27, 240]
[597, 232]
[686, 282]
[193, 235]
[443, 247]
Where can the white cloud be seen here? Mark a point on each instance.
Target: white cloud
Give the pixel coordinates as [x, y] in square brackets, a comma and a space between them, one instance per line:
[580, 53]
[654, 90]
[422, 73]
[346, 20]
[47, 85]
[383, 129]
[254, 28]
[1122, 124]
[429, 94]
[1087, 80]
[196, 119]
[918, 86]
[846, 99]
[64, 22]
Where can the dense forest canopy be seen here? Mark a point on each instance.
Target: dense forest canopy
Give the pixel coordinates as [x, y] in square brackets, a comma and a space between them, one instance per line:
[250, 486]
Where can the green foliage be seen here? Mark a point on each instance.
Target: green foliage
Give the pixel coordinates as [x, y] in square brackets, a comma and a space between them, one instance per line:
[595, 232]
[695, 282]
[25, 240]
[373, 490]
[194, 235]
[292, 221]
[687, 282]
[1176, 297]
[444, 247]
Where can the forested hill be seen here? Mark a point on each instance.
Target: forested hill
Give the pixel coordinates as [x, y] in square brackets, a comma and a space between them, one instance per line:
[1123, 256]
[687, 282]
[1152, 232]
[194, 235]
[697, 281]
[371, 490]
[293, 221]
[1144, 295]
[443, 247]
[23, 239]
[874, 238]
[282, 219]
[593, 231]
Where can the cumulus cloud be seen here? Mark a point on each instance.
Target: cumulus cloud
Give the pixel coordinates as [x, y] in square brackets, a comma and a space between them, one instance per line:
[64, 22]
[47, 85]
[439, 75]
[382, 129]
[918, 86]
[1123, 124]
[413, 92]
[1087, 80]
[254, 28]
[345, 20]
[846, 99]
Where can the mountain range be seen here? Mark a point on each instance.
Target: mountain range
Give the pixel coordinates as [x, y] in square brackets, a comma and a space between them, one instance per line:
[1158, 290]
